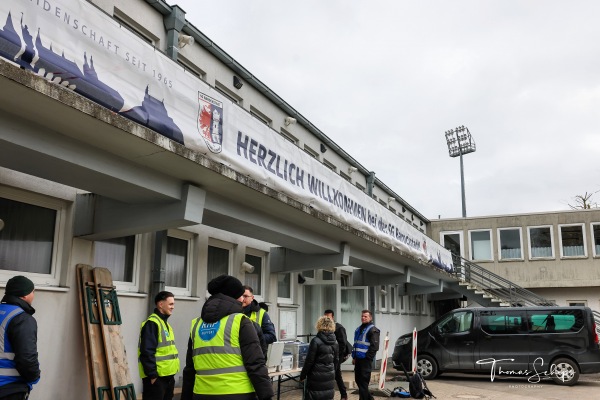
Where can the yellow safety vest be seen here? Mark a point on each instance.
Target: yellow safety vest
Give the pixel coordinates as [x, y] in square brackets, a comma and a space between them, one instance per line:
[217, 357]
[167, 360]
[260, 314]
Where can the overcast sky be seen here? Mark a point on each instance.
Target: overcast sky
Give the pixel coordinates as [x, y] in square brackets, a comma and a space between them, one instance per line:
[385, 79]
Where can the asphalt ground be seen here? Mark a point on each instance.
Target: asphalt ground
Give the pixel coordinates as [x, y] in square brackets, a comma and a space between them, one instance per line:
[462, 386]
[467, 386]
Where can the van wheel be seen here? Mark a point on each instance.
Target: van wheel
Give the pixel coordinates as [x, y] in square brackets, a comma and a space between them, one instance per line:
[565, 372]
[427, 367]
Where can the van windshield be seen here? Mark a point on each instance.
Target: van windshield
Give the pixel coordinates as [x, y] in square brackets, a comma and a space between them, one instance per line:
[460, 321]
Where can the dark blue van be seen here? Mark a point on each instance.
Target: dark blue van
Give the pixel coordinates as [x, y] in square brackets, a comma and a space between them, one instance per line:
[536, 343]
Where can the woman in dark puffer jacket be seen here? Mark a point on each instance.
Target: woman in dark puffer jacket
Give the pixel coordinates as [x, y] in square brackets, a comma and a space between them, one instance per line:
[319, 366]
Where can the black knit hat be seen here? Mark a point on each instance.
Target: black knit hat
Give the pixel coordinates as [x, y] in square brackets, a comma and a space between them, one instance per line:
[228, 285]
[19, 286]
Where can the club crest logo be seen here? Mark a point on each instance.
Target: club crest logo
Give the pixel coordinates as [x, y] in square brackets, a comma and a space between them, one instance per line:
[210, 122]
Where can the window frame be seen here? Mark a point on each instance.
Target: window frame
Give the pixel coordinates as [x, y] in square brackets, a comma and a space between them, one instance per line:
[393, 301]
[190, 237]
[212, 242]
[498, 233]
[287, 300]
[134, 285]
[471, 258]
[53, 279]
[529, 242]
[382, 300]
[595, 254]
[260, 296]
[560, 238]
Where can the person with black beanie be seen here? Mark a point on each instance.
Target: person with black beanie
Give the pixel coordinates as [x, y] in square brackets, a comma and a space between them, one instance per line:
[224, 360]
[18, 356]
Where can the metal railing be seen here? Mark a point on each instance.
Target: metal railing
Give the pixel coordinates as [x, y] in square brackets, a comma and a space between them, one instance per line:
[496, 286]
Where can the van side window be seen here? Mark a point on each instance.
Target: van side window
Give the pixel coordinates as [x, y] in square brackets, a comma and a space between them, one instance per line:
[503, 322]
[456, 322]
[556, 321]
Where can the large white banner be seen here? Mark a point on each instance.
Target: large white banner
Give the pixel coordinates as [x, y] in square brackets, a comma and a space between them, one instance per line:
[74, 44]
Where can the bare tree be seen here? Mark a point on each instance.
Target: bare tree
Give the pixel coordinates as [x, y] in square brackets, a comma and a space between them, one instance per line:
[584, 201]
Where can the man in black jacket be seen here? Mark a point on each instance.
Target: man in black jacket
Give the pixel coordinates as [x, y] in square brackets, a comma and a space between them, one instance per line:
[214, 347]
[341, 338]
[158, 360]
[18, 353]
[366, 344]
[259, 315]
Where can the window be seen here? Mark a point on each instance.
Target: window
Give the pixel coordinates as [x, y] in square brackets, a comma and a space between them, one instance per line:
[503, 322]
[596, 239]
[556, 321]
[119, 256]
[135, 27]
[178, 263]
[234, 98]
[190, 67]
[254, 279]
[288, 136]
[393, 295]
[361, 187]
[452, 241]
[329, 165]
[481, 245]
[311, 152]
[346, 177]
[217, 262]
[31, 240]
[284, 287]
[382, 298]
[327, 275]
[309, 274]
[540, 242]
[509, 243]
[572, 240]
[457, 322]
[260, 116]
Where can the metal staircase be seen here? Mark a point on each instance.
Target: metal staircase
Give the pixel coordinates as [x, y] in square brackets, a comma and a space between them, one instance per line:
[489, 289]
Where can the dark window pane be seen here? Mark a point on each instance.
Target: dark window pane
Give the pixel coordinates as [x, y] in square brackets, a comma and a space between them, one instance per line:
[116, 255]
[27, 240]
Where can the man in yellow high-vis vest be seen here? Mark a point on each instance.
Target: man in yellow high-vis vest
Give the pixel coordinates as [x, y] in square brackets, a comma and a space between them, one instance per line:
[158, 360]
[224, 359]
[259, 315]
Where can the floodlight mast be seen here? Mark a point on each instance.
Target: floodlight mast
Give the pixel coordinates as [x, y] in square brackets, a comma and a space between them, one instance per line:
[460, 142]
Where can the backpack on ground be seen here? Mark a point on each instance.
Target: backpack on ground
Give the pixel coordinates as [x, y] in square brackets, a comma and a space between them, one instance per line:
[416, 386]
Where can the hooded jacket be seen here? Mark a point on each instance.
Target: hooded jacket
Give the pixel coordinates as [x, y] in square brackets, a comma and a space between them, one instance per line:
[319, 367]
[215, 308]
[22, 334]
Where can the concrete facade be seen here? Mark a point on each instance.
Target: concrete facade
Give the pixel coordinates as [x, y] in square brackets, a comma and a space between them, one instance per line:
[556, 275]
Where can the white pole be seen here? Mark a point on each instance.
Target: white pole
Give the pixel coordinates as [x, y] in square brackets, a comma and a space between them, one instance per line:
[414, 351]
[386, 342]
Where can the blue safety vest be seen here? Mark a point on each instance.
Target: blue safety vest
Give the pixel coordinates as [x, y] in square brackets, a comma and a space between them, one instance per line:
[361, 345]
[8, 370]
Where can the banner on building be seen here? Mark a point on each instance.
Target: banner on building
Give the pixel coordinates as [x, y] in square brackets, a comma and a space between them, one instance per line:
[74, 44]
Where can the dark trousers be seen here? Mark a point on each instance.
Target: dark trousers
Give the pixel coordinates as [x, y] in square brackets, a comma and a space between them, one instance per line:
[15, 396]
[362, 377]
[162, 389]
[340, 380]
